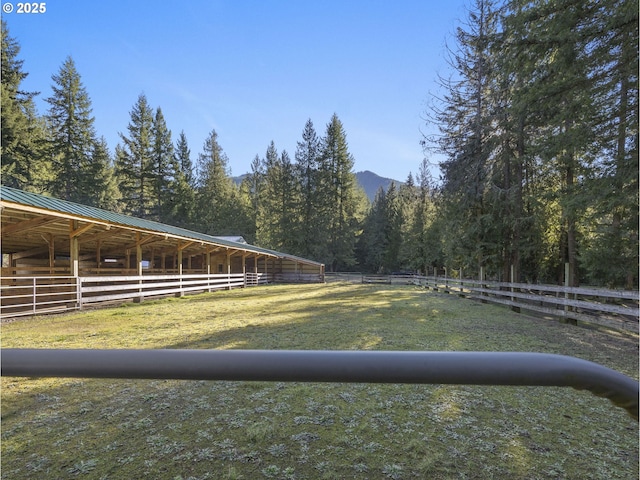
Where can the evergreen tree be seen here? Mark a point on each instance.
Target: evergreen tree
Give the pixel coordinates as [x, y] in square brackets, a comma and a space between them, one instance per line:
[380, 243]
[307, 158]
[215, 194]
[267, 199]
[427, 224]
[278, 216]
[183, 159]
[393, 230]
[610, 253]
[340, 202]
[371, 245]
[73, 137]
[540, 129]
[246, 216]
[289, 200]
[134, 162]
[408, 195]
[163, 169]
[465, 124]
[23, 163]
[104, 192]
[251, 192]
[184, 208]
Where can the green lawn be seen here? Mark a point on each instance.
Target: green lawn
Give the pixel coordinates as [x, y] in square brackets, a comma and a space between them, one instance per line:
[85, 428]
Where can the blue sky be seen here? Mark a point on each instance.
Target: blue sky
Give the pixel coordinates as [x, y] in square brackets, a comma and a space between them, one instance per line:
[254, 71]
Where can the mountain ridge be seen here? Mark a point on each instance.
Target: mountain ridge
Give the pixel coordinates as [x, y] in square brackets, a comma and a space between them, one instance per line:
[368, 180]
[371, 183]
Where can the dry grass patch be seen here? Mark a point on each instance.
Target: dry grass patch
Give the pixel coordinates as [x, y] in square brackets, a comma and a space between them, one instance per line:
[70, 428]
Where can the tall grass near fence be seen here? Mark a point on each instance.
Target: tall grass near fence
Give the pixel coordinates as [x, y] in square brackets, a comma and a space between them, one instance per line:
[74, 428]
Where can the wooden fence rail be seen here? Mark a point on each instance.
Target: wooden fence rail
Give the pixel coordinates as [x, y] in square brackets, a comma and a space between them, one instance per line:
[611, 308]
[21, 296]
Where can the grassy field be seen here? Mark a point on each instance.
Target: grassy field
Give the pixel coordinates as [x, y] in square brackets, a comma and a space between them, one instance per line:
[85, 428]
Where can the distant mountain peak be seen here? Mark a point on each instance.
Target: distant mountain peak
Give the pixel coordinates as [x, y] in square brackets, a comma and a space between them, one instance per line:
[368, 180]
[371, 183]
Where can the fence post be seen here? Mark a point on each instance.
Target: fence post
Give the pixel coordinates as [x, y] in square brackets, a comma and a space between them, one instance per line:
[79, 292]
[446, 280]
[567, 284]
[512, 280]
[35, 296]
[482, 285]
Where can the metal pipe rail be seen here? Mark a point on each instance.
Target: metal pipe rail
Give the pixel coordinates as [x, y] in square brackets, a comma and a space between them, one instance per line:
[471, 368]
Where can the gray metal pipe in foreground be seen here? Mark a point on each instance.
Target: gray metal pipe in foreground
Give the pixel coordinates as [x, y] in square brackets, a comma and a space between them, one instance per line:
[472, 368]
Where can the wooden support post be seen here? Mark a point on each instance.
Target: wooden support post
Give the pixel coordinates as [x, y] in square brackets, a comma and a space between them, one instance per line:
[138, 255]
[98, 254]
[138, 299]
[482, 285]
[74, 261]
[266, 270]
[163, 262]
[52, 253]
[244, 269]
[180, 293]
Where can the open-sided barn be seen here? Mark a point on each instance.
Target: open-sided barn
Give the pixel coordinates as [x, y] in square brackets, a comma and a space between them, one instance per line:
[84, 254]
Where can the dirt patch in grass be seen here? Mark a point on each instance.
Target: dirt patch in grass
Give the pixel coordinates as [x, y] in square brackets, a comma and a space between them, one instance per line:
[70, 428]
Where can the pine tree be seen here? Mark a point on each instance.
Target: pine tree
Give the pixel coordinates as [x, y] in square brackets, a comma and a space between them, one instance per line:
[268, 213]
[307, 159]
[560, 92]
[464, 120]
[134, 162]
[163, 169]
[540, 127]
[23, 163]
[611, 256]
[104, 191]
[408, 196]
[393, 230]
[251, 193]
[427, 224]
[278, 217]
[339, 200]
[371, 244]
[183, 159]
[215, 194]
[73, 136]
[380, 243]
[184, 208]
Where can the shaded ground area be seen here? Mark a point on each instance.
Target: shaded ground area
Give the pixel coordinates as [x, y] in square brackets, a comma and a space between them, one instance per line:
[63, 428]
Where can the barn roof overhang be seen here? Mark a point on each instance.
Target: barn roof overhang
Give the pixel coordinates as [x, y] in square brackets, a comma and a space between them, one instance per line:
[30, 222]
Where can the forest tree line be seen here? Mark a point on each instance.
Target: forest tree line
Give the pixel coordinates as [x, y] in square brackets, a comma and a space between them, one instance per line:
[537, 122]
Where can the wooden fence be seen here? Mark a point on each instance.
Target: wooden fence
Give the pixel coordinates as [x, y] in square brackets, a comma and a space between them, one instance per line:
[612, 308]
[298, 278]
[22, 296]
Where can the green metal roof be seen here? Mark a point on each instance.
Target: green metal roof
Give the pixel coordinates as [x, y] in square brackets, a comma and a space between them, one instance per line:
[13, 195]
